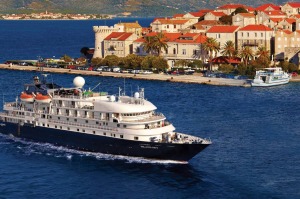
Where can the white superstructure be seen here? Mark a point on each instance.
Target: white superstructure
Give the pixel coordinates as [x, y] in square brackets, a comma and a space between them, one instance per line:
[270, 77]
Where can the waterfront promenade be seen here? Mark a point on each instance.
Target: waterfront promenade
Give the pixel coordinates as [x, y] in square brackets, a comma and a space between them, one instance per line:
[196, 78]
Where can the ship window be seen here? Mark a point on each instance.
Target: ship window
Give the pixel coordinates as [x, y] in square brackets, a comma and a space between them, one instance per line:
[43, 124]
[103, 123]
[67, 119]
[121, 136]
[47, 125]
[77, 129]
[68, 128]
[75, 120]
[136, 138]
[83, 130]
[115, 120]
[60, 127]
[50, 117]
[97, 122]
[58, 118]
[118, 125]
[124, 126]
[86, 121]
[55, 126]
[114, 135]
[94, 132]
[104, 133]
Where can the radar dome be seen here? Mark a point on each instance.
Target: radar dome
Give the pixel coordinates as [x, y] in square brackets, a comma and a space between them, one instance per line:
[78, 82]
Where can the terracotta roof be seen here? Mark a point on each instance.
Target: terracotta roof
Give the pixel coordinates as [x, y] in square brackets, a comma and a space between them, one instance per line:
[290, 20]
[276, 20]
[294, 4]
[269, 5]
[287, 31]
[178, 15]
[208, 22]
[131, 25]
[247, 15]
[118, 36]
[274, 12]
[297, 16]
[256, 28]
[197, 14]
[218, 14]
[223, 29]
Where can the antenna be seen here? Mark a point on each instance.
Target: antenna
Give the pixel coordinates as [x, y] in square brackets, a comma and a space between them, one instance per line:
[124, 87]
[96, 86]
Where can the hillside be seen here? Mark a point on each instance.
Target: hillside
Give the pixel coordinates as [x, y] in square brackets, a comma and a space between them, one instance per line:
[116, 7]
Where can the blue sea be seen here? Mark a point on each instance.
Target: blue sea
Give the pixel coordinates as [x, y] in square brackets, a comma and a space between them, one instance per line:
[255, 133]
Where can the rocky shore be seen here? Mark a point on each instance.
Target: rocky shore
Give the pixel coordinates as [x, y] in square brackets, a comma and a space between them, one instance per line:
[196, 78]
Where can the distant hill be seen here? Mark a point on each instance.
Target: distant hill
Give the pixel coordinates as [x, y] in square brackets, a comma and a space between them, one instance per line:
[117, 7]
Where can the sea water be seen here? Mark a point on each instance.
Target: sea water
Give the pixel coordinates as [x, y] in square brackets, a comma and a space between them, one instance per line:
[255, 151]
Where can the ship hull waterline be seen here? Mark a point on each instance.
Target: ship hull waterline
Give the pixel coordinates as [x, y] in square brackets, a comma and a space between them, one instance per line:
[104, 144]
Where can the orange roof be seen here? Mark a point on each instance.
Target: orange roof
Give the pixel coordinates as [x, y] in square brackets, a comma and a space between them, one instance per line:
[218, 14]
[247, 14]
[197, 14]
[205, 10]
[178, 15]
[297, 16]
[268, 5]
[276, 20]
[287, 31]
[118, 36]
[256, 28]
[294, 4]
[223, 29]
[290, 20]
[274, 12]
[207, 23]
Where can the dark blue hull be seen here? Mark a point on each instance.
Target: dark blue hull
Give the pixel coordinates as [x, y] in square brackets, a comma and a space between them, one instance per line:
[103, 144]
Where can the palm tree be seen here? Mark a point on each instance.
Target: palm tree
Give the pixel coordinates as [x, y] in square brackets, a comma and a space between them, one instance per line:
[148, 44]
[229, 50]
[262, 52]
[211, 45]
[160, 41]
[246, 53]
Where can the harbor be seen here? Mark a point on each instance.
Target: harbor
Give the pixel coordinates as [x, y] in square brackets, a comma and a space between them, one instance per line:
[195, 79]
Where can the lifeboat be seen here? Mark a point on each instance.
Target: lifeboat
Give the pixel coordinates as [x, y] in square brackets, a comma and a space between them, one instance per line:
[26, 97]
[42, 98]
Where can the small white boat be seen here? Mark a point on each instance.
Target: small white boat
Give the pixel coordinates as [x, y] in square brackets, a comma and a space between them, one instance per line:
[270, 77]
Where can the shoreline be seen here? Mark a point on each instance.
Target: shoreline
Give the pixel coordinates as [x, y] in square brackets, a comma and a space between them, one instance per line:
[194, 79]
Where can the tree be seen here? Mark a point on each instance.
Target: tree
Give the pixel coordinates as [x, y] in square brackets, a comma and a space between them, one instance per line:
[263, 52]
[229, 49]
[97, 61]
[196, 64]
[226, 19]
[181, 63]
[148, 44]
[246, 54]
[84, 51]
[66, 58]
[111, 60]
[212, 46]
[239, 10]
[132, 61]
[147, 62]
[160, 63]
[160, 42]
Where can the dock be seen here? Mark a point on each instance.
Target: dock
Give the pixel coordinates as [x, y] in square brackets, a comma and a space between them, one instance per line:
[194, 79]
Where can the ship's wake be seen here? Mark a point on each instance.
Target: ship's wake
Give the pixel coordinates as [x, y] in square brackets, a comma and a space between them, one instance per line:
[30, 148]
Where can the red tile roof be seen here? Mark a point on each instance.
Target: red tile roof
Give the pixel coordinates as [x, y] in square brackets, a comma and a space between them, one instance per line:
[256, 28]
[118, 36]
[269, 5]
[218, 14]
[247, 15]
[294, 4]
[178, 15]
[276, 20]
[290, 20]
[297, 16]
[274, 12]
[197, 14]
[287, 31]
[223, 29]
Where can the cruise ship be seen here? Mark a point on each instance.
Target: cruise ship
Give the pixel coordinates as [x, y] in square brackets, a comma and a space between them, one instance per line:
[270, 77]
[96, 122]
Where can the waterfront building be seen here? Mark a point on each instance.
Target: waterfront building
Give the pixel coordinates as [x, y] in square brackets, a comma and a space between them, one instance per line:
[170, 25]
[264, 16]
[119, 44]
[214, 15]
[181, 46]
[254, 36]
[268, 7]
[222, 34]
